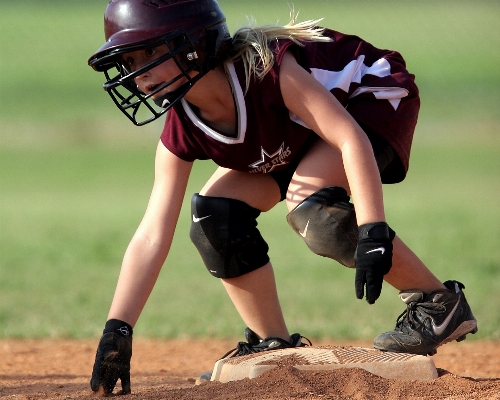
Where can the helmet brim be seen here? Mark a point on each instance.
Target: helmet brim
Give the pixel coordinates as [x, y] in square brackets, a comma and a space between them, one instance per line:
[124, 39]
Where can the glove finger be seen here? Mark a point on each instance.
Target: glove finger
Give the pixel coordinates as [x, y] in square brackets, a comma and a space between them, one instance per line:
[109, 372]
[359, 283]
[373, 287]
[95, 379]
[125, 379]
[109, 378]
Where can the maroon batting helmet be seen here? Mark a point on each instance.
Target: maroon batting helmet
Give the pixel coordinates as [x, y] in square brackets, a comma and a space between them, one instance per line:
[195, 32]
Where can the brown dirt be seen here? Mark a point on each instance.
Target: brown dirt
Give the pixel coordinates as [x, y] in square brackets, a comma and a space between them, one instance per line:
[166, 369]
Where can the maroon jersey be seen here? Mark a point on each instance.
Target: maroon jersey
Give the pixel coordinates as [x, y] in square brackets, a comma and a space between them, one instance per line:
[371, 83]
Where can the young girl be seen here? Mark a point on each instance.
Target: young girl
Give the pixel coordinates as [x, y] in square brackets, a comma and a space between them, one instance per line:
[297, 113]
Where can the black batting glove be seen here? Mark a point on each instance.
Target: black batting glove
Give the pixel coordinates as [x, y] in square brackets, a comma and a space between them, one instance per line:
[373, 259]
[112, 360]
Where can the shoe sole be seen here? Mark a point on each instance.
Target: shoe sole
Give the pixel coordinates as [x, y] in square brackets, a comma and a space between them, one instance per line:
[458, 334]
[462, 331]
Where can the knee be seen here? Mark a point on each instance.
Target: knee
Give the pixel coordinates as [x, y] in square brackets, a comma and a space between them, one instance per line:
[225, 233]
[326, 221]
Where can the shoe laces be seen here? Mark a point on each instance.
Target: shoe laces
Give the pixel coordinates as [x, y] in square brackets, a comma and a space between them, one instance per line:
[242, 349]
[416, 313]
[245, 348]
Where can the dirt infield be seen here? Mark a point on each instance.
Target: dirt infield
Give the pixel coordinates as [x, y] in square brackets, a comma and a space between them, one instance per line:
[166, 369]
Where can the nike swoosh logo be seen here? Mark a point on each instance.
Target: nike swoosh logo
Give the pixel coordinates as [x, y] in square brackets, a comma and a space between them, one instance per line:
[303, 234]
[439, 329]
[196, 219]
[381, 249]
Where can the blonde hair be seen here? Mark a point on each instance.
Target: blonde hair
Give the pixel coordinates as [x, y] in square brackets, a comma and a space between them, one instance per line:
[252, 43]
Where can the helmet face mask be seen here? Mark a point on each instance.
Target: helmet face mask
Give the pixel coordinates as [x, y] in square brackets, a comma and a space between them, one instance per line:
[120, 84]
[194, 32]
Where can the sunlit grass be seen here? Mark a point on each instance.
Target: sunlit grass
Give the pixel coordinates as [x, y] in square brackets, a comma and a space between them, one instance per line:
[75, 178]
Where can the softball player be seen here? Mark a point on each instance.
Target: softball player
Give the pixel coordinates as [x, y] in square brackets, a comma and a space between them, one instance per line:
[296, 113]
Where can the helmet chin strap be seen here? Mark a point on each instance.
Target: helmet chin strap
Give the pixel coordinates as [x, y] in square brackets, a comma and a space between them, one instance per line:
[166, 99]
[211, 61]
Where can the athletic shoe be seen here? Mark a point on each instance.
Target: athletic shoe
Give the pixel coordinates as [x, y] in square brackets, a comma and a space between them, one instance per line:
[256, 345]
[429, 321]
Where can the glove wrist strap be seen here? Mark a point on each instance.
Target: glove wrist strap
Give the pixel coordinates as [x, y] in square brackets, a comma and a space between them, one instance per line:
[375, 230]
[117, 326]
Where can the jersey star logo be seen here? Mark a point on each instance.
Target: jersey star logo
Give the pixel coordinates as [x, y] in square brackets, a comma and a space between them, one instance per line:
[269, 162]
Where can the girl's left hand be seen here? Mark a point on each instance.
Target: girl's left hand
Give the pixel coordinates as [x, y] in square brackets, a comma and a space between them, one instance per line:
[373, 259]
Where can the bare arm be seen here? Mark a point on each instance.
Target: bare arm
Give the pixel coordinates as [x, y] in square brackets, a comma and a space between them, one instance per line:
[151, 242]
[323, 113]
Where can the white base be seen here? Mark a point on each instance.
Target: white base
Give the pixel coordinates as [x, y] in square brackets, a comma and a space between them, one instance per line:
[387, 365]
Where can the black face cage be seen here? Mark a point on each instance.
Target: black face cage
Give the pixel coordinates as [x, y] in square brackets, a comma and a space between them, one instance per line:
[124, 91]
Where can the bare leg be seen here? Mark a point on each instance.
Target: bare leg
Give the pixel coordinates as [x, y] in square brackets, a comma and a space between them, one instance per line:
[254, 294]
[409, 272]
[255, 297]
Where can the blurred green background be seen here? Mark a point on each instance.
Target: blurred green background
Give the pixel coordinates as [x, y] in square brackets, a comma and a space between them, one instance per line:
[75, 177]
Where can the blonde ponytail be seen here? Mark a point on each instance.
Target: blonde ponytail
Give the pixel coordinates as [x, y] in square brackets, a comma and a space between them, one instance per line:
[251, 43]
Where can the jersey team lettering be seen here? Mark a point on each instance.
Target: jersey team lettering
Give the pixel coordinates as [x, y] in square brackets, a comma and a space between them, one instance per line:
[268, 162]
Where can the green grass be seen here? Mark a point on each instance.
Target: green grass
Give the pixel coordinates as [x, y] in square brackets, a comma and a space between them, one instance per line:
[75, 178]
[449, 45]
[68, 213]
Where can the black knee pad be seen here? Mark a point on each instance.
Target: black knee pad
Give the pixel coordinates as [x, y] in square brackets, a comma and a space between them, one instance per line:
[225, 233]
[327, 222]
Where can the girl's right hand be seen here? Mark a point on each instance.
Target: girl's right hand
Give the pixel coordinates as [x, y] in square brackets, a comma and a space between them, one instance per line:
[112, 360]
